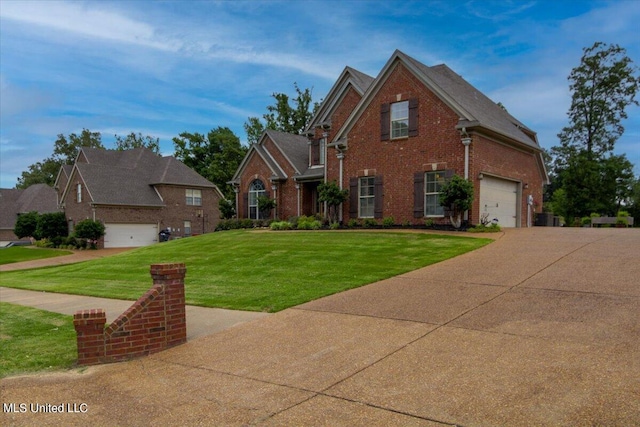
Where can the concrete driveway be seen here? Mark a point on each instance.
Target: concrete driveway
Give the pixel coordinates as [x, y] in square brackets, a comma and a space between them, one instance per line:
[541, 327]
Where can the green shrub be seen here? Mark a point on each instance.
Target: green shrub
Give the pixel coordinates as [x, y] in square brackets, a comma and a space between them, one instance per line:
[481, 228]
[52, 225]
[227, 208]
[353, 223]
[586, 220]
[90, 230]
[26, 225]
[280, 225]
[335, 226]
[308, 223]
[623, 214]
[429, 223]
[370, 223]
[388, 221]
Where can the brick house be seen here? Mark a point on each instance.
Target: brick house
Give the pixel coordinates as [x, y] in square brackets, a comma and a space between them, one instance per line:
[13, 202]
[136, 194]
[393, 141]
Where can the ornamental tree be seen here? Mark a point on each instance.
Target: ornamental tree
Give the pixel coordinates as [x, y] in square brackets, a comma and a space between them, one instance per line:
[457, 196]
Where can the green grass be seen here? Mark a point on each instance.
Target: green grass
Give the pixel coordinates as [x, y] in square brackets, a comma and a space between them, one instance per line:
[258, 271]
[20, 253]
[34, 340]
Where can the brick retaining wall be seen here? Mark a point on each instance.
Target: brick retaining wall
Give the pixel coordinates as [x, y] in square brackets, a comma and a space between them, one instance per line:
[155, 322]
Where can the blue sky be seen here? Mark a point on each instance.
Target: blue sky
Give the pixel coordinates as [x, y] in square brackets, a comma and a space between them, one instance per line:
[162, 68]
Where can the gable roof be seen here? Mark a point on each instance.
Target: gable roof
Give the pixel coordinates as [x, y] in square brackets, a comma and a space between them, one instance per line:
[38, 197]
[349, 78]
[472, 106]
[294, 148]
[129, 177]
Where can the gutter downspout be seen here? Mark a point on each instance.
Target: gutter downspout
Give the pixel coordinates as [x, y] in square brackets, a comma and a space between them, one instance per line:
[466, 141]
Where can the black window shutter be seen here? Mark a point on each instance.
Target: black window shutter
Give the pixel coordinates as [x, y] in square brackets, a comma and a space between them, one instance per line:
[315, 152]
[385, 122]
[353, 197]
[418, 194]
[378, 196]
[413, 117]
[245, 203]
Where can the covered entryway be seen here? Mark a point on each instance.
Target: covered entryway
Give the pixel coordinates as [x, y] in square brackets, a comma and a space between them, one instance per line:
[499, 199]
[130, 235]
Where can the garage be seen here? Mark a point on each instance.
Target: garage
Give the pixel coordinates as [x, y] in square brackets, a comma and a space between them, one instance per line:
[130, 235]
[499, 199]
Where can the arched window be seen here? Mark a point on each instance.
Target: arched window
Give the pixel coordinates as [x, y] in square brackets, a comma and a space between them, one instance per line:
[256, 189]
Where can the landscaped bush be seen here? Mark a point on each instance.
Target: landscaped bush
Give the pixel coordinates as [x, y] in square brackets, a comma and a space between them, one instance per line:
[90, 230]
[26, 225]
[586, 220]
[52, 226]
[353, 223]
[370, 223]
[388, 222]
[308, 223]
[429, 223]
[281, 225]
[481, 228]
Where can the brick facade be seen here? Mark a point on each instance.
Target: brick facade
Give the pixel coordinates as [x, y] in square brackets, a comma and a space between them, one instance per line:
[169, 212]
[155, 322]
[499, 147]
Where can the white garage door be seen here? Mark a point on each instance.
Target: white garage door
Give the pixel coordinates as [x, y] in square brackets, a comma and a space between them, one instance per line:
[130, 235]
[499, 198]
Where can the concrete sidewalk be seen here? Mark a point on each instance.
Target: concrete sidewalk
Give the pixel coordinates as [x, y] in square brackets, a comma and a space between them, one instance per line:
[201, 321]
[539, 328]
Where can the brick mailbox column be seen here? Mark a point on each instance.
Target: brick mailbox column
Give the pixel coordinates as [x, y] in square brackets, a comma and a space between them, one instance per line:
[89, 325]
[171, 278]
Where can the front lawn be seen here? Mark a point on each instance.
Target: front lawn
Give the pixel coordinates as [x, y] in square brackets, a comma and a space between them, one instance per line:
[35, 340]
[257, 271]
[20, 254]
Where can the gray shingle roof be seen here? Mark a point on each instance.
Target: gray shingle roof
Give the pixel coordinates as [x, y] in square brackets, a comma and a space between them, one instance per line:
[294, 147]
[39, 197]
[483, 110]
[128, 177]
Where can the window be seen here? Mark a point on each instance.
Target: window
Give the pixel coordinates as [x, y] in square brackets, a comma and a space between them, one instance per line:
[79, 193]
[322, 151]
[255, 190]
[187, 228]
[194, 197]
[433, 184]
[400, 119]
[367, 197]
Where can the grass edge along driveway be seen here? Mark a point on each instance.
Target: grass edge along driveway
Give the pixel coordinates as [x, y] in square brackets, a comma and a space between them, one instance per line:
[20, 253]
[256, 271]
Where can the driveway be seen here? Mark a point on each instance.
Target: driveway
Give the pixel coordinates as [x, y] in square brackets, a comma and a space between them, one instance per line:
[539, 328]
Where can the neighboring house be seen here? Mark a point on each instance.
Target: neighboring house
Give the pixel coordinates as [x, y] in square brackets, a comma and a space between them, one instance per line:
[137, 194]
[39, 198]
[393, 141]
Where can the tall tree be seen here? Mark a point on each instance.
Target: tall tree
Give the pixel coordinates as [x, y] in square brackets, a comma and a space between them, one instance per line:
[603, 86]
[137, 141]
[65, 150]
[215, 156]
[283, 116]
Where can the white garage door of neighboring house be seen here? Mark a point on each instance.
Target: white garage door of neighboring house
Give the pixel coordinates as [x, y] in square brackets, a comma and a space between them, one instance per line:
[130, 235]
[499, 198]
